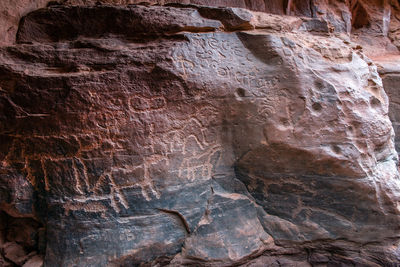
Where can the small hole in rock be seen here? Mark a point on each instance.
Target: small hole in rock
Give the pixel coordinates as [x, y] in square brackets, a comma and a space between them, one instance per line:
[241, 92]
[375, 101]
[317, 106]
[336, 149]
[284, 121]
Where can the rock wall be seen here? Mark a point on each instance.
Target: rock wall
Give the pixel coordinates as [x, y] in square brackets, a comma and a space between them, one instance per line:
[13, 10]
[153, 135]
[377, 18]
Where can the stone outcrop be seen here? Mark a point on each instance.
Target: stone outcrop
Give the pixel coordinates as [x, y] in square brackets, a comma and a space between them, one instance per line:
[377, 18]
[195, 135]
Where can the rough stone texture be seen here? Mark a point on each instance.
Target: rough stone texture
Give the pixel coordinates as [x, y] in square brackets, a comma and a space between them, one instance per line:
[19, 240]
[375, 25]
[389, 70]
[377, 17]
[35, 261]
[14, 253]
[12, 10]
[188, 135]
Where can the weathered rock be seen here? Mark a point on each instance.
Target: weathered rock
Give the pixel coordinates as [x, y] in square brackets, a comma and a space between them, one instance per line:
[15, 253]
[4, 262]
[94, 22]
[373, 23]
[35, 261]
[16, 193]
[197, 136]
[13, 10]
[3, 229]
[390, 72]
[24, 231]
[18, 236]
[11, 13]
[377, 18]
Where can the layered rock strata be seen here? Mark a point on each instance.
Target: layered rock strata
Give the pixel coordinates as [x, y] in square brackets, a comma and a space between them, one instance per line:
[192, 135]
[373, 22]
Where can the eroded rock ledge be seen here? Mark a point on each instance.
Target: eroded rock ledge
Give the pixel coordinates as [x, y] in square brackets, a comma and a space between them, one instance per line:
[192, 135]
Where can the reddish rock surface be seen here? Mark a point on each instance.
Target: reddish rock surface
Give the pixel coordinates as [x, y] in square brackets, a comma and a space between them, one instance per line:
[35, 261]
[14, 253]
[192, 135]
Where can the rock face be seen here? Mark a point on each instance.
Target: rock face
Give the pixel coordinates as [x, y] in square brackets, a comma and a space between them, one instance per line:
[192, 135]
[390, 73]
[13, 10]
[377, 18]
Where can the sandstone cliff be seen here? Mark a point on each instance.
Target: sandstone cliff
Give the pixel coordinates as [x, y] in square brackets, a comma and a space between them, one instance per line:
[193, 135]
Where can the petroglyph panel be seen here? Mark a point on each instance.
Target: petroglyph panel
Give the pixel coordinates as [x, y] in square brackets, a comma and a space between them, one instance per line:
[164, 140]
[157, 128]
[220, 57]
[150, 138]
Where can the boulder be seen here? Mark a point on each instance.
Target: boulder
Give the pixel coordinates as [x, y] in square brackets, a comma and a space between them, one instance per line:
[189, 135]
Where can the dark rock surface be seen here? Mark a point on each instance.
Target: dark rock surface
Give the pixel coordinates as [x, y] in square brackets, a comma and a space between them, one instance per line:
[21, 240]
[186, 135]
